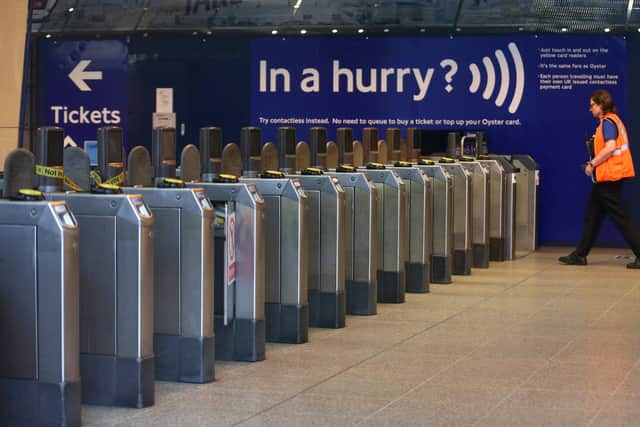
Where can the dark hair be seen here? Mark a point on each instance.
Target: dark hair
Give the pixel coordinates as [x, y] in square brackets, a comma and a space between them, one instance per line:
[603, 99]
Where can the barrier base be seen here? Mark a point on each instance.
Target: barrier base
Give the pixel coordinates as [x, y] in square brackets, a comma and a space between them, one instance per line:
[417, 277]
[327, 309]
[462, 261]
[241, 339]
[287, 323]
[361, 298]
[117, 381]
[34, 403]
[441, 270]
[391, 286]
[480, 256]
[184, 359]
[496, 249]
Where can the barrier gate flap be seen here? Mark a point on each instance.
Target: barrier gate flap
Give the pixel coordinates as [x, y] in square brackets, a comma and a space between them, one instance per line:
[230, 261]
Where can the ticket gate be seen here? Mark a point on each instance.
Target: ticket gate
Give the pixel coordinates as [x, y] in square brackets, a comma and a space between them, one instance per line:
[527, 203]
[462, 216]
[511, 173]
[183, 263]
[361, 226]
[481, 214]
[418, 213]
[391, 232]
[441, 220]
[286, 253]
[39, 301]
[500, 190]
[325, 236]
[116, 280]
[239, 253]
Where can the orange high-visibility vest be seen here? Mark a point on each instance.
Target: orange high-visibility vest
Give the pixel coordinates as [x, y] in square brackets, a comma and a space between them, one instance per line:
[619, 165]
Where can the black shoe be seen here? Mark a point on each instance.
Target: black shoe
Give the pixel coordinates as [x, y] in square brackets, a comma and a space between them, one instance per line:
[634, 264]
[574, 259]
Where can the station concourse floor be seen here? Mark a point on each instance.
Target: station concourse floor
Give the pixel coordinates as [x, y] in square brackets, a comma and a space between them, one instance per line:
[523, 343]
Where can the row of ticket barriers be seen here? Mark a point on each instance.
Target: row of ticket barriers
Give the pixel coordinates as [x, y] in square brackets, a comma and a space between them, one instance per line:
[117, 275]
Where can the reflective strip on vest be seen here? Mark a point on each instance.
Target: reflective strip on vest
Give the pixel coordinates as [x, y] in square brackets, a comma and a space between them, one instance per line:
[618, 152]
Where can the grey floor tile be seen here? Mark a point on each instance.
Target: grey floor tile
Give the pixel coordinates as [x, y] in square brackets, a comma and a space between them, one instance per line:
[516, 416]
[302, 420]
[488, 372]
[597, 377]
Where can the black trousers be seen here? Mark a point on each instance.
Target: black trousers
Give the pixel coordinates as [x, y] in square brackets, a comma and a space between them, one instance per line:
[606, 199]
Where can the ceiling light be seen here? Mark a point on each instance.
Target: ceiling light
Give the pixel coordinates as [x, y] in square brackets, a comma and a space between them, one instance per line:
[360, 30]
[195, 33]
[209, 32]
[297, 5]
[607, 30]
[564, 29]
[422, 30]
[335, 30]
[386, 30]
[49, 35]
[274, 32]
[71, 10]
[303, 31]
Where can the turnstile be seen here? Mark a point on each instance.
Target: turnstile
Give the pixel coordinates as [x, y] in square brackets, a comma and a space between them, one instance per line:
[239, 252]
[39, 302]
[360, 229]
[325, 238]
[391, 257]
[418, 225]
[441, 220]
[481, 210]
[498, 200]
[183, 267]
[116, 298]
[527, 203]
[286, 251]
[462, 216]
[116, 279]
[286, 262]
[511, 173]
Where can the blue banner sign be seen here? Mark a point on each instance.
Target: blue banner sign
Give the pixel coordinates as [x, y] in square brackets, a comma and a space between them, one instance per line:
[86, 87]
[529, 93]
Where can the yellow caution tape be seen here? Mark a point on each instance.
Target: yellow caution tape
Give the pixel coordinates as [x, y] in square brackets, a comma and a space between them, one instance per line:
[116, 180]
[72, 185]
[96, 177]
[56, 172]
[30, 192]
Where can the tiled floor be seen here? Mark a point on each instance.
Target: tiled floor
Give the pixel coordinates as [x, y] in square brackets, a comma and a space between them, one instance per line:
[524, 343]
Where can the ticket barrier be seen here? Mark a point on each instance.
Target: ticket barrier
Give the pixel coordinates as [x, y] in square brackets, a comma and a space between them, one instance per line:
[361, 226]
[527, 203]
[39, 302]
[391, 232]
[511, 173]
[286, 251]
[418, 222]
[462, 216]
[500, 189]
[481, 214]
[239, 254]
[325, 236]
[441, 220]
[183, 263]
[116, 279]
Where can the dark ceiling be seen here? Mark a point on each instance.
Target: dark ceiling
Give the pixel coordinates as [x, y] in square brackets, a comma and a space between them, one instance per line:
[321, 16]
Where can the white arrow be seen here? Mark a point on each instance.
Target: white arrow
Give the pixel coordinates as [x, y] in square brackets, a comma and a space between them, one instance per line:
[69, 142]
[78, 75]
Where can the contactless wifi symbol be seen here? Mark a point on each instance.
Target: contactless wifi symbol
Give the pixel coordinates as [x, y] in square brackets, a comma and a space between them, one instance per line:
[505, 77]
